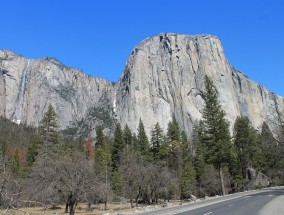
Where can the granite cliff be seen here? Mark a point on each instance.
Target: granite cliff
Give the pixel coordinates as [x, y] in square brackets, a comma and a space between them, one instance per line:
[164, 75]
[28, 86]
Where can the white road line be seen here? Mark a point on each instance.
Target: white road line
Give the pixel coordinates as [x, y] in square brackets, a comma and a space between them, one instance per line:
[230, 205]
[209, 213]
[270, 195]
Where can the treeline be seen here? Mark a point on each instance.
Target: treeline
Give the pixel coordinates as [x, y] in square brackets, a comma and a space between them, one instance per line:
[50, 168]
[14, 140]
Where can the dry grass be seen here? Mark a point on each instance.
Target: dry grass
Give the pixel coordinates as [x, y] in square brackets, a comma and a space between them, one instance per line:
[81, 209]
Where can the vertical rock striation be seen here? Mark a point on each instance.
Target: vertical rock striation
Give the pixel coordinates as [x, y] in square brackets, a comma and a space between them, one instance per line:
[29, 86]
[165, 74]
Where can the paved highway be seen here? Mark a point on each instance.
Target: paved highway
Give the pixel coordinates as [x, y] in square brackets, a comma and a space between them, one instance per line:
[263, 202]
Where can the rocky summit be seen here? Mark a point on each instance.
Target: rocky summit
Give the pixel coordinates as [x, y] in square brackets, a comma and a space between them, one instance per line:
[164, 76]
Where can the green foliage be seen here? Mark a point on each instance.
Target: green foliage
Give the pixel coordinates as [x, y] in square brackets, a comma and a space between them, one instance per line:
[15, 162]
[164, 152]
[100, 139]
[49, 126]
[14, 140]
[156, 141]
[175, 157]
[71, 131]
[198, 142]
[102, 160]
[142, 140]
[217, 140]
[186, 148]
[117, 146]
[13, 134]
[135, 141]
[176, 150]
[247, 144]
[3, 150]
[170, 166]
[173, 130]
[188, 174]
[32, 151]
[269, 146]
[116, 183]
[127, 137]
[272, 149]
[102, 114]
[187, 181]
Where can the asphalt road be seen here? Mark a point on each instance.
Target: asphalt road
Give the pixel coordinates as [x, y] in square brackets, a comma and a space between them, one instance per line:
[249, 203]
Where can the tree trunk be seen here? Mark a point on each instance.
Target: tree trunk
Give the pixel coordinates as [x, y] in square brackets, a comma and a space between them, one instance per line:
[89, 205]
[71, 207]
[106, 205]
[131, 203]
[66, 208]
[222, 181]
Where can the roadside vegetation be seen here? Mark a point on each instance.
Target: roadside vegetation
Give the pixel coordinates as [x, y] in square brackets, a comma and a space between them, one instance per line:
[43, 167]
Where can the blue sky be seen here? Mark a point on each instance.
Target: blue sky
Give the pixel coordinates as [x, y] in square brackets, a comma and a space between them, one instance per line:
[97, 36]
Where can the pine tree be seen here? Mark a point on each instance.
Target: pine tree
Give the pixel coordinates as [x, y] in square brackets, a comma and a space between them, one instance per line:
[218, 141]
[187, 181]
[15, 162]
[186, 148]
[173, 130]
[116, 183]
[156, 140]
[102, 164]
[48, 149]
[247, 145]
[269, 146]
[127, 136]
[272, 154]
[135, 141]
[117, 149]
[143, 142]
[188, 174]
[49, 126]
[117, 146]
[164, 152]
[99, 136]
[3, 156]
[174, 140]
[33, 149]
[199, 151]
[49, 135]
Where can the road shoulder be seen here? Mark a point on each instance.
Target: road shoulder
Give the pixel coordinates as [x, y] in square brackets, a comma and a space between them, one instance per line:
[275, 207]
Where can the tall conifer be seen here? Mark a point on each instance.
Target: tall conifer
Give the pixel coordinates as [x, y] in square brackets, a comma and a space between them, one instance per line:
[142, 139]
[218, 141]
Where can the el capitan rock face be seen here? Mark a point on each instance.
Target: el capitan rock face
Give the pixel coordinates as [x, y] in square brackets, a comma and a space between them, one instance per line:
[164, 75]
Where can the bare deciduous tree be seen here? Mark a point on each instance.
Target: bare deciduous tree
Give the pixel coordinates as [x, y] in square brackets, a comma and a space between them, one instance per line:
[132, 172]
[67, 179]
[10, 190]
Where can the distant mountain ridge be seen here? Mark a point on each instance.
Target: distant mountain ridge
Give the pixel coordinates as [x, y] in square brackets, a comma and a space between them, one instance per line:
[164, 75]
